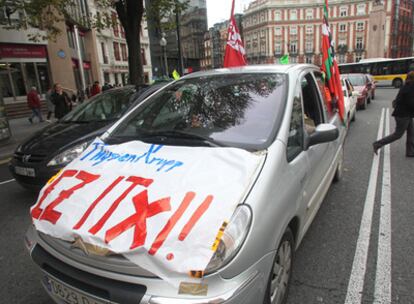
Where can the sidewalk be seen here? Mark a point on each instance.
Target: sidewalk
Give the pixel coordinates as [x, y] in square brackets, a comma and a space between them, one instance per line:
[20, 129]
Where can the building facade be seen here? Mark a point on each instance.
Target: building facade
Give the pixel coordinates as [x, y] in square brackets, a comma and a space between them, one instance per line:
[23, 63]
[215, 41]
[112, 51]
[273, 28]
[192, 25]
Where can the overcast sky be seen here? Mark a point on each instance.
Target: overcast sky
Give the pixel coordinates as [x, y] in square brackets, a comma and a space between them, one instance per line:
[219, 10]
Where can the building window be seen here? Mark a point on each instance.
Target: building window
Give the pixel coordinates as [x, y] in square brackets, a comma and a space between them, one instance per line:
[358, 58]
[293, 30]
[361, 9]
[278, 48]
[115, 27]
[262, 34]
[309, 29]
[343, 11]
[262, 17]
[124, 52]
[360, 26]
[292, 59]
[71, 38]
[278, 16]
[104, 57]
[278, 31]
[342, 27]
[293, 47]
[309, 46]
[143, 57]
[293, 15]
[309, 14]
[341, 58]
[359, 44]
[308, 59]
[116, 51]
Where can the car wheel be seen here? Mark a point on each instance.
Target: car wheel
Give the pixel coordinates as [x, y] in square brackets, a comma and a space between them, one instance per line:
[339, 167]
[279, 279]
[397, 83]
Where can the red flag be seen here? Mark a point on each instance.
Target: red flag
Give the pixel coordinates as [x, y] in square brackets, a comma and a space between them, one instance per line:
[235, 52]
[330, 66]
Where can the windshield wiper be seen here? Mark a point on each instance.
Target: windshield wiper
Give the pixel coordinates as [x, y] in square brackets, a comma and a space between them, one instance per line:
[184, 135]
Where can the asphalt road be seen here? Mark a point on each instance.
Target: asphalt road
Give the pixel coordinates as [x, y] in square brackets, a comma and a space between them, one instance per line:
[328, 259]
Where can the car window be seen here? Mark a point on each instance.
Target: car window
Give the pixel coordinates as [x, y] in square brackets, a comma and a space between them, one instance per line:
[104, 107]
[357, 80]
[311, 103]
[327, 107]
[295, 139]
[241, 110]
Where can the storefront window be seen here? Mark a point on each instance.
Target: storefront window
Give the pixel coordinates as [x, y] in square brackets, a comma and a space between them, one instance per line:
[5, 83]
[17, 77]
[31, 80]
[43, 77]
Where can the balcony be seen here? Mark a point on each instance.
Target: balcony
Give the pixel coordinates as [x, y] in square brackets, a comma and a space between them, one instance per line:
[342, 48]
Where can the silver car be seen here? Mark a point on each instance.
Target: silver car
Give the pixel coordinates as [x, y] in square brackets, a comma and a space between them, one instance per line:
[279, 112]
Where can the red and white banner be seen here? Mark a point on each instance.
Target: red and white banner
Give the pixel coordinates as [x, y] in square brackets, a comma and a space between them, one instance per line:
[235, 52]
[159, 206]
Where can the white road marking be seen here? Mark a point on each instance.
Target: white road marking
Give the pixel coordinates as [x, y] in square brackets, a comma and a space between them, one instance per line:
[356, 280]
[7, 181]
[382, 293]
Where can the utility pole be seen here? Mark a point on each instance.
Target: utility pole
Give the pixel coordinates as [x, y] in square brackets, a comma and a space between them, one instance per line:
[180, 55]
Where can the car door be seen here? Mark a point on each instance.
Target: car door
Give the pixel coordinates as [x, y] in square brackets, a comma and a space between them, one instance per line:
[319, 156]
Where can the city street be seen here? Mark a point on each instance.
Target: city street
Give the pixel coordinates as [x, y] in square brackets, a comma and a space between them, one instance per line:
[375, 193]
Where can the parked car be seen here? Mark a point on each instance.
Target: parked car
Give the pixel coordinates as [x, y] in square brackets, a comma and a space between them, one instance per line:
[47, 151]
[361, 84]
[258, 111]
[350, 99]
[373, 83]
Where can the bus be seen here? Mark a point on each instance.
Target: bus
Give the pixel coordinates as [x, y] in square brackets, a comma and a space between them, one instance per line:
[386, 71]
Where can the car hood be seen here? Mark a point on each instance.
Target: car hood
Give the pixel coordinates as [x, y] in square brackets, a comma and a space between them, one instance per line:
[59, 135]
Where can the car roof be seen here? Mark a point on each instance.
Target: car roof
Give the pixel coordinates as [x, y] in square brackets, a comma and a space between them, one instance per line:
[265, 68]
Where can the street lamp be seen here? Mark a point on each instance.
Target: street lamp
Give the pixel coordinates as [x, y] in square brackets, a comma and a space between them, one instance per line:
[163, 44]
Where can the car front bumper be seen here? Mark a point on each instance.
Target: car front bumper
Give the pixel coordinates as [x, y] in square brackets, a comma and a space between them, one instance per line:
[246, 288]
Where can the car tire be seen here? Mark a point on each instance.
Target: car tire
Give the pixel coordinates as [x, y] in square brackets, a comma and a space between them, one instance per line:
[397, 83]
[281, 272]
[340, 167]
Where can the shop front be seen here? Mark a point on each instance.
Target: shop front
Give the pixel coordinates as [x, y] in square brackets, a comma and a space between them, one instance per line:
[23, 66]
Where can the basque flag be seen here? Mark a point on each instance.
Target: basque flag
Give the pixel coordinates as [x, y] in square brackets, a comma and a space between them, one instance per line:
[330, 65]
[235, 52]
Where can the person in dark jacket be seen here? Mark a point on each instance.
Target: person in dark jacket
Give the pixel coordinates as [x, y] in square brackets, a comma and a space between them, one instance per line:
[61, 101]
[403, 114]
[33, 102]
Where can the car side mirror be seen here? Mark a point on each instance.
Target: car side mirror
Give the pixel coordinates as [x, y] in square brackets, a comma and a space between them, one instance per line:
[323, 133]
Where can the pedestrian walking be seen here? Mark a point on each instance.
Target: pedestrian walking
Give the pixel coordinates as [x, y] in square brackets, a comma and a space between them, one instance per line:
[50, 105]
[33, 102]
[61, 101]
[403, 114]
[96, 89]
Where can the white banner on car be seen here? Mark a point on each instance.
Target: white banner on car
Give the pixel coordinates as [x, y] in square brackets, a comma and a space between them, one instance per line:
[159, 206]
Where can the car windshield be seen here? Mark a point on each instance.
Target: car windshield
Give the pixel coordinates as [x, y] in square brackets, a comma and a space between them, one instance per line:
[104, 107]
[239, 110]
[357, 80]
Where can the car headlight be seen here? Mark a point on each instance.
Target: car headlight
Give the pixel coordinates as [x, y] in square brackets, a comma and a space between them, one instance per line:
[68, 155]
[232, 239]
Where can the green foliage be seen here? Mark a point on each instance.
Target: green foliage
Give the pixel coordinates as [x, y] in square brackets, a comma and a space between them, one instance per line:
[163, 13]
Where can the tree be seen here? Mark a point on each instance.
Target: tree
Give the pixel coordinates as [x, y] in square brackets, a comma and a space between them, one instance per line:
[45, 14]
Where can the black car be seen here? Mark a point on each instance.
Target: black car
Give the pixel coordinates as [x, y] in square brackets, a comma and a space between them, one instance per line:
[42, 155]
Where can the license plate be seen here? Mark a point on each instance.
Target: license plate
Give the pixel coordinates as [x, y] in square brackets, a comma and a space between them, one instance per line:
[69, 295]
[25, 171]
